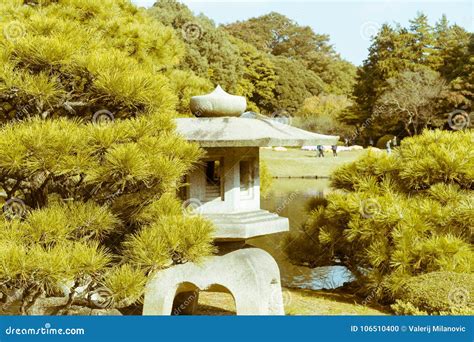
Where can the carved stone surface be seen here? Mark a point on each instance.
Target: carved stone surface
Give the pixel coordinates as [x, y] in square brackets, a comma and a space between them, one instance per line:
[246, 225]
[247, 132]
[218, 103]
[250, 275]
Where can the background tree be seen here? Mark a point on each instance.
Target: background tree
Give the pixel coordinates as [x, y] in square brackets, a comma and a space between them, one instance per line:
[259, 78]
[455, 52]
[294, 84]
[89, 160]
[279, 36]
[443, 48]
[411, 101]
[320, 114]
[272, 61]
[209, 52]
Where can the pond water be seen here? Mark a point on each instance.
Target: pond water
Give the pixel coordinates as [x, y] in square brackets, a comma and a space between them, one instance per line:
[289, 198]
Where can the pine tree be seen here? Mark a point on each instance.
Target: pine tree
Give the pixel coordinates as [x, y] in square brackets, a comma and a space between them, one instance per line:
[423, 44]
[88, 149]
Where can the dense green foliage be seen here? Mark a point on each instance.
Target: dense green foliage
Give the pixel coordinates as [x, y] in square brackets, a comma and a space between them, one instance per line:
[259, 79]
[217, 57]
[279, 36]
[397, 216]
[420, 67]
[320, 114]
[249, 59]
[412, 79]
[439, 293]
[88, 152]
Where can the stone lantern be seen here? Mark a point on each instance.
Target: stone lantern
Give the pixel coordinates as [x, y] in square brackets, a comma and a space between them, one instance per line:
[225, 188]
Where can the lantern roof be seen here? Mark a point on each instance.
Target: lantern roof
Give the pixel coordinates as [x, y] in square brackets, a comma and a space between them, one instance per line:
[248, 131]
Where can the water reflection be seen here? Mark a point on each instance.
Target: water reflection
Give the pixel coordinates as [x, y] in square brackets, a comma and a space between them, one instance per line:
[289, 198]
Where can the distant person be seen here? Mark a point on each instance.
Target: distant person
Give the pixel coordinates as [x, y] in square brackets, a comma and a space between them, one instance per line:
[394, 141]
[389, 149]
[371, 142]
[320, 151]
[334, 150]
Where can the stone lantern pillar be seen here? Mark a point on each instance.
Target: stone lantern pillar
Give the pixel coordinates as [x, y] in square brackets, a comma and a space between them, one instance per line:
[225, 188]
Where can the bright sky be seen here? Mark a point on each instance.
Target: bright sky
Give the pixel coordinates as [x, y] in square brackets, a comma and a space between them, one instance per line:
[349, 23]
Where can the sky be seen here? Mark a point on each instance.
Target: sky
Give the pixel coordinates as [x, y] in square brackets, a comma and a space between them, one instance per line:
[349, 23]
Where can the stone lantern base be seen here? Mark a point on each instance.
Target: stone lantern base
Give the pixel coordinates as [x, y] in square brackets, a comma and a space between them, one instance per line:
[250, 275]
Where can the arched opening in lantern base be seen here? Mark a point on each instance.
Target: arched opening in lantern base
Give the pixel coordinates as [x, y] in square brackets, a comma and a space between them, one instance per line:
[215, 300]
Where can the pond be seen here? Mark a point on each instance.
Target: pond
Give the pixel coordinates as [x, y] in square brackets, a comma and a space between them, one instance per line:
[288, 198]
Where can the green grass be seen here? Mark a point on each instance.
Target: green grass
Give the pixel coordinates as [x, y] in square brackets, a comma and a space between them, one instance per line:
[296, 302]
[299, 163]
[322, 302]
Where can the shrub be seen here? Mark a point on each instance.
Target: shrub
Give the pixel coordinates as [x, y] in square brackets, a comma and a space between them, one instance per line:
[398, 216]
[437, 293]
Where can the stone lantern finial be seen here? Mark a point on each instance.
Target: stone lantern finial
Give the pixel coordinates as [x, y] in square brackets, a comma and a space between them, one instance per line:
[218, 103]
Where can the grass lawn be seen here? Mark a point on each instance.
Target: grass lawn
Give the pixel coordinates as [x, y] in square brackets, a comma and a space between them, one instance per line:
[297, 302]
[299, 163]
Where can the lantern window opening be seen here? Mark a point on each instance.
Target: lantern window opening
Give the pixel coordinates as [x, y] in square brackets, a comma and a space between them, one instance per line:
[214, 179]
